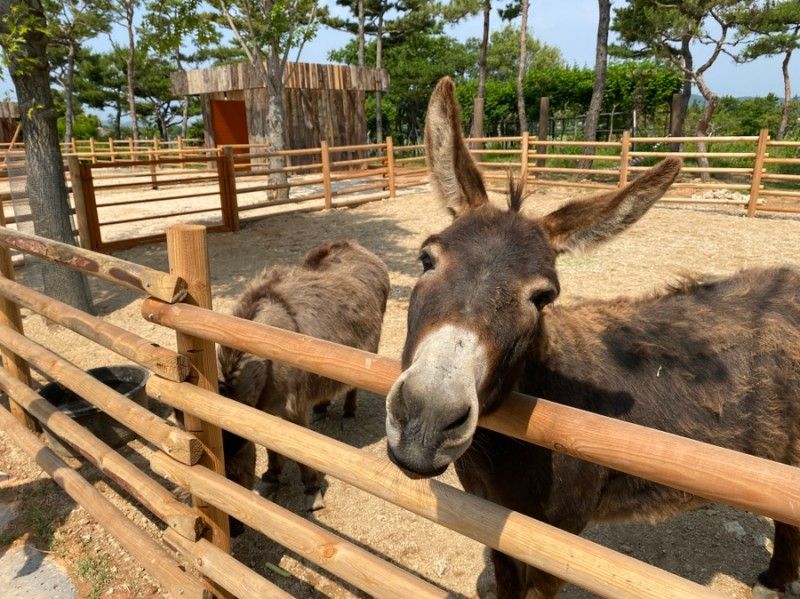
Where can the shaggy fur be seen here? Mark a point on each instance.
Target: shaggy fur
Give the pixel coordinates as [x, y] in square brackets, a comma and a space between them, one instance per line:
[338, 293]
[716, 360]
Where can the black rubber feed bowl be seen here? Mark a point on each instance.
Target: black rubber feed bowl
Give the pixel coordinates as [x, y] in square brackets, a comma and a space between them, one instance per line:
[127, 380]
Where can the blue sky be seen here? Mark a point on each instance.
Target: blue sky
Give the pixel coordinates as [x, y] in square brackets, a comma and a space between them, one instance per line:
[571, 26]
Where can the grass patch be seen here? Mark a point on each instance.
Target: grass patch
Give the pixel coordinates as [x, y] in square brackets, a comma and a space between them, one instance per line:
[8, 537]
[96, 571]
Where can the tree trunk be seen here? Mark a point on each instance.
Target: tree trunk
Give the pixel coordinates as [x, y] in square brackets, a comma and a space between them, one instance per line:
[379, 93]
[361, 33]
[47, 190]
[276, 136]
[185, 118]
[705, 120]
[600, 66]
[69, 115]
[787, 95]
[129, 9]
[523, 59]
[477, 108]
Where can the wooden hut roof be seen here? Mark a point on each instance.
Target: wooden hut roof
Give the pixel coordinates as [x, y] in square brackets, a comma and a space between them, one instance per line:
[301, 75]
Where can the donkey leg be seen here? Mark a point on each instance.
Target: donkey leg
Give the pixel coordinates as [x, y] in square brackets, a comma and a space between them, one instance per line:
[322, 408]
[785, 560]
[350, 402]
[240, 465]
[272, 477]
[508, 576]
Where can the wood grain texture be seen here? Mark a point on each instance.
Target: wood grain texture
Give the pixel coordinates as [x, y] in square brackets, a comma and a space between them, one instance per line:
[144, 489]
[126, 274]
[136, 542]
[312, 542]
[576, 560]
[765, 487]
[177, 443]
[187, 251]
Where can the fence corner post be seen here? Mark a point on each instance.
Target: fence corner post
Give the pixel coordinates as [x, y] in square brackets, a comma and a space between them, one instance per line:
[227, 189]
[326, 174]
[758, 169]
[390, 166]
[79, 196]
[624, 161]
[187, 252]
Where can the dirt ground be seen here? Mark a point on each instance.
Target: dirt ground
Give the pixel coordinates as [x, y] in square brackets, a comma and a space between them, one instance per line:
[716, 546]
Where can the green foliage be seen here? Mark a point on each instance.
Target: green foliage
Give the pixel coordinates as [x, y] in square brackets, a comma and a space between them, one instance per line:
[84, 127]
[502, 59]
[18, 24]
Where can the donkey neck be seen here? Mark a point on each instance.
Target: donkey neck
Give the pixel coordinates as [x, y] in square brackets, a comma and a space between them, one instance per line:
[568, 361]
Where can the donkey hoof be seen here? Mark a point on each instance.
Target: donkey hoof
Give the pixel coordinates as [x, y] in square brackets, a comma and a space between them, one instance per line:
[313, 501]
[762, 592]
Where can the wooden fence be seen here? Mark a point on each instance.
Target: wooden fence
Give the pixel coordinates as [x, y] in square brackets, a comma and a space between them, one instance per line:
[122, 197]
[186, 380]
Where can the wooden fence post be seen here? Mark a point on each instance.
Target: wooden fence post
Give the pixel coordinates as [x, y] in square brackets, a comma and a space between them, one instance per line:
[226, 171]
[326, 174]
[153, 174]
[73, 145]
[157, 150]
[390, 166]
[623, 158]
[89, 207]
[92, 150]
[187, 252]
[131, 154]
[10, 317]
[111, 149]
[758, 169]
[524, 154]
[544, 122]
[79, 196]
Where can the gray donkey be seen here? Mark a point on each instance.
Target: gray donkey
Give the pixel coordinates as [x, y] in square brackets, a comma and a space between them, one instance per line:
[337, 293]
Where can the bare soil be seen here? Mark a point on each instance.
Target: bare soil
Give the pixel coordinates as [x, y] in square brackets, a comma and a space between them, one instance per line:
[716, 546]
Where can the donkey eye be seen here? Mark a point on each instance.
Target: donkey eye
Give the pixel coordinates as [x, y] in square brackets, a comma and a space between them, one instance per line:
[541, 297]
[427, 261]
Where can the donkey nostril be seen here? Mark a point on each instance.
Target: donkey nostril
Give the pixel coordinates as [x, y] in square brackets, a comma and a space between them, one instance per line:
[459, 422]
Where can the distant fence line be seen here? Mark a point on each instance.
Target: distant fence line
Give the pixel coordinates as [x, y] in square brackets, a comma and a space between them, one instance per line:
[754, 172]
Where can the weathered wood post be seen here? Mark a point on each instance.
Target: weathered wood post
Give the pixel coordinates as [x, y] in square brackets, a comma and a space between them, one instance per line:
[758, 169]
[157, 150]
[524, 154]
[10, 317]
[544, 121]
[390, 166]
[187, 252]
[227, 189]
[111, 149]
[153, 173]
[92, 150]
[326, 174]
[131, 153]
[73, 146]
[623, 158]
[79, 196]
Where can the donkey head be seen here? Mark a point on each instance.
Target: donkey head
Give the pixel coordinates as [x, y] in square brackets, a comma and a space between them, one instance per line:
[487, 280]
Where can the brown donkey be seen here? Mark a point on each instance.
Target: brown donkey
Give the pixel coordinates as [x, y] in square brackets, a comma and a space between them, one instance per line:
[338, 293]
[716, 360]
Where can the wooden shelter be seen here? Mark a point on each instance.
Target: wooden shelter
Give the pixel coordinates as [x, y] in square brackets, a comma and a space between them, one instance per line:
[9, 119]
[323, 102]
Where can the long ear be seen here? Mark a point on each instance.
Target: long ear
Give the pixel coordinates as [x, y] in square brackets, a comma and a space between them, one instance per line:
[454, 174]
[585, 223]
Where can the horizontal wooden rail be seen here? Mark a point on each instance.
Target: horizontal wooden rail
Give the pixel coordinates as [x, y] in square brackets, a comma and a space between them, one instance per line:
[159, 199]
[312, 542]
[716, 473]
[120, 272]
[148, 492]
[706, 139]
[138, 219]
[223, 569]
[181, 445]
[633, 153]
[152, 356]
[135, 541]
[567, 556]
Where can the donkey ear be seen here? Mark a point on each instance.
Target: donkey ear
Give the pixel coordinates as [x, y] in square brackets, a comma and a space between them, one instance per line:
[585, 223]
[454, 174]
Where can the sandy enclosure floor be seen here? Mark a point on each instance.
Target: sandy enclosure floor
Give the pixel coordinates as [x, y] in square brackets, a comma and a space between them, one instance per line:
[716, 546]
